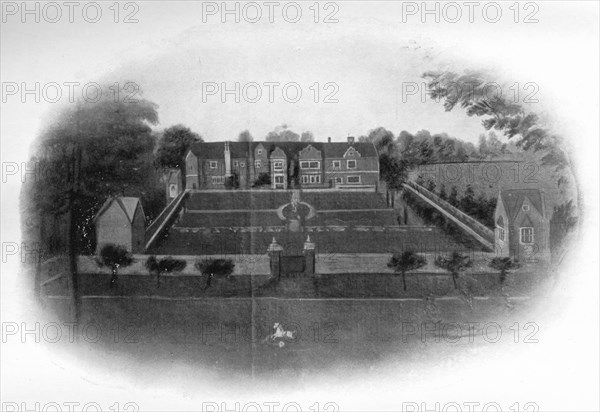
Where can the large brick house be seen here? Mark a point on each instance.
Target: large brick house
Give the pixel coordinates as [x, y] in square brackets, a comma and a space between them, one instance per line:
[522, 226]
[287, 165]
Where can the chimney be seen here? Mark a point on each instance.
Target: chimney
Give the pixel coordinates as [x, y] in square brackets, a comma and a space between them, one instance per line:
[329, 140]
[350, 139]
[227, 155]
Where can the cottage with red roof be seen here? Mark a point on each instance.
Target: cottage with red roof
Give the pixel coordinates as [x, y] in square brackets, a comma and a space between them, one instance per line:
[522, 225]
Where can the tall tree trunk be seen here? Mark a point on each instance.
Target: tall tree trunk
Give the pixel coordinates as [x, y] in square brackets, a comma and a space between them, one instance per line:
[113, 278]
[454, 279]
[72, 236]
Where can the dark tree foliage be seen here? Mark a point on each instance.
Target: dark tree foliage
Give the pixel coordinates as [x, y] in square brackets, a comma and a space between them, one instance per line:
[504, 265]
[454, 264]
[232, 182]
[264, 179]
[470, 91]
[165, 265]
[113, 257]
[245, 136]
[453, 198]
[90, 152]
[431, 185]
[406, 261]
[443, 195]
[562, 222]
[217, 267]
[173, 146]
[282, 134]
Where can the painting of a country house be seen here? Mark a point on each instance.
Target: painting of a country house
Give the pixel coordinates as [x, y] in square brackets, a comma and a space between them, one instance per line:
[190, 223]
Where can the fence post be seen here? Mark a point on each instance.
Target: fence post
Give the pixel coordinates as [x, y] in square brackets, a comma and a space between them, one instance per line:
[309, 257]
[274, 252]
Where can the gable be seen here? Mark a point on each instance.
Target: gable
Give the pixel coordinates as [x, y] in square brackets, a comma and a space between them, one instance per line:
[113, 214]
[125, 206]
[513, 201]
[352, 152]
[278, 153]
[309, 152]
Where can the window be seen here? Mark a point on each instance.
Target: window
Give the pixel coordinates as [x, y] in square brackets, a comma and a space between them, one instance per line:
[212, 164]
[351, 164]
[257, 164]
[305, 179]
[278, 165]
[218, 180]
[310, 165]
[235, 163]
[278, 179]
[526, 208]
[339, 180]
[500, 225]
[315, 179]
[242, 164]
[259, 152]
[353, 179]
[526, 235]
[337, 164]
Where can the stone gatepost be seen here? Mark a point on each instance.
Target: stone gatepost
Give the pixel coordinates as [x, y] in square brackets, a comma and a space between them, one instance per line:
[309, 257]
[275, 250]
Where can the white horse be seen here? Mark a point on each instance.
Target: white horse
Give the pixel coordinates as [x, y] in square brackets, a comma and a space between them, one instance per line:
[280, 333]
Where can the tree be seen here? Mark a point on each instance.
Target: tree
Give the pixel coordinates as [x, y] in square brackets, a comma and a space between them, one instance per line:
[471, 91]
[504, 265]
[406, 261]
[454, 264]
[393, 171]
[264, 179]
[165, 265]
[173, 147]
[245, 136]
[282, 134]
[467, 203]
[453, 198]
[214, 267]
[89, 152]
[431, 185]
[233, 181]
[307, 137]
[562, 222]
[443, 195]
[114, 257]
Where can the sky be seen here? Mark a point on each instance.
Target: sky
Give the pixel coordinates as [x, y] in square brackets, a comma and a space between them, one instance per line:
[360, 65]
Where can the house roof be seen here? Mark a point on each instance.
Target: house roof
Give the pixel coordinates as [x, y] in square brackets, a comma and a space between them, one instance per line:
[215, 150]
[127, 204]
[513, 200]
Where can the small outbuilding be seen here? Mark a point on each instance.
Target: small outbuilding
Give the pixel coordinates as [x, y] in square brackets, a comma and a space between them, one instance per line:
[174, 184]
[522, 225]
[121, 221]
